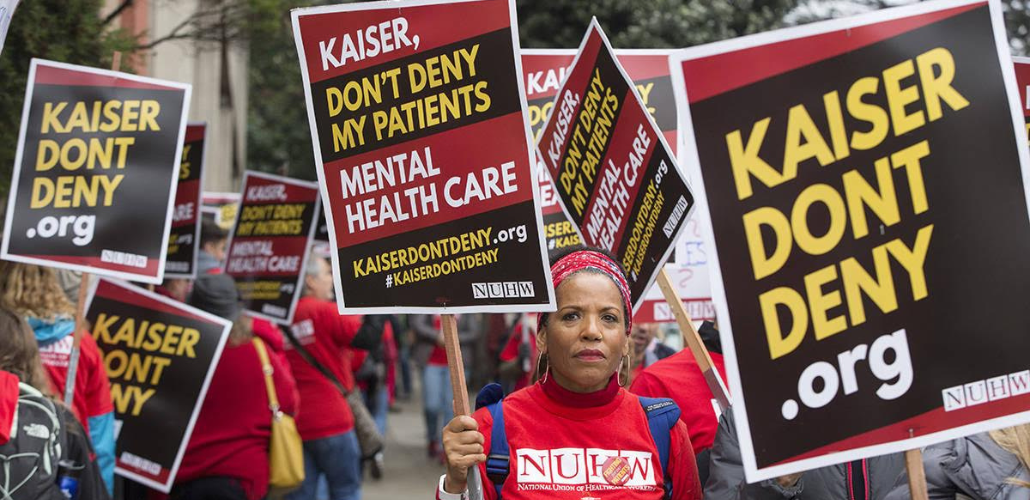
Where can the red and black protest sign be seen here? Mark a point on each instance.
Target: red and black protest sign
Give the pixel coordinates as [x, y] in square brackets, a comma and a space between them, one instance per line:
[865, 188]
[1023, 85]
[613, 170]
[544, 70]
[220, 208]
[184, 242]
[95, 171]
[268, 246]
[160, 356]
[417, 117]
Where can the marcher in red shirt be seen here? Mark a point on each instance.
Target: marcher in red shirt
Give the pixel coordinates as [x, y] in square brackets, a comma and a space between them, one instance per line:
[518, 357]
[577, 431]
[227, 455]
[325, 422]
[678, 377]
[34, 292]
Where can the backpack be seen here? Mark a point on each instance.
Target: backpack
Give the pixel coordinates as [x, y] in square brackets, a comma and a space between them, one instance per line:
[29, 460]
[662, 415]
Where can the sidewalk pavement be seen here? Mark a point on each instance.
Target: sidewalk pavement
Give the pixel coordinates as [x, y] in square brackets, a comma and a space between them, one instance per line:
[409, 473]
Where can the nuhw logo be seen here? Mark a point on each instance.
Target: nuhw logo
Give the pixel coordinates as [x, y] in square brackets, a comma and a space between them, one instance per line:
[581, 466]
[982, 391]
[304, 331]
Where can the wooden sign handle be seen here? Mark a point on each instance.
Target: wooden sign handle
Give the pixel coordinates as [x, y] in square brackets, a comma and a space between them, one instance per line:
[80, 306]
[449, 325]
[80, 325]
[916, 474]
[693, 340]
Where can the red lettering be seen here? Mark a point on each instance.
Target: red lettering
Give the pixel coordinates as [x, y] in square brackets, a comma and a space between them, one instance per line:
[596, 467]
[540, 466]
[644, 465]
[559, 466]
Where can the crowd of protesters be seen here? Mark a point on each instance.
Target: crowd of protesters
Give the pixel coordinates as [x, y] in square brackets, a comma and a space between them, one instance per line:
[585, 376]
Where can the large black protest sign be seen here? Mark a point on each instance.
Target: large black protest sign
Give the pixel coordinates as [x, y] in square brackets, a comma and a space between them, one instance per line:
[184, 241]
[160, 356]
[97, 155]
[865, 183]
[614, 173]
[269, 244]
[423, 156]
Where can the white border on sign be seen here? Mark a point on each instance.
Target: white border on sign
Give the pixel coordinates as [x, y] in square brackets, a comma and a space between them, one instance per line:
[595, 26]
[163, 254]
[690, 157]
[297, 287]
[200, 206]
[618, 52]
[551, 305]
[226, 326]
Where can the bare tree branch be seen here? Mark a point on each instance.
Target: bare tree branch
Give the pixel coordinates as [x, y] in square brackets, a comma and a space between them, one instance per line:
[114, 14]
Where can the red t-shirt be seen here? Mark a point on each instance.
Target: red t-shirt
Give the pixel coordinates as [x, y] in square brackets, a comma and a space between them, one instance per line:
[8, 404]
[356, 357]
[511, 352]
[559, 444]
[325, 334]
[92, 390]
[439, 355]
[679, 378]
[233, 429]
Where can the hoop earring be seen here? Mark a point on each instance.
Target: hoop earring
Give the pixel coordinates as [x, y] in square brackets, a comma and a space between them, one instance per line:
[539, 358]
[618, 373]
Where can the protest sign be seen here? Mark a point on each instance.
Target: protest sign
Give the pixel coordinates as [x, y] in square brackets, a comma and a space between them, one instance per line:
[691, 281]
[160, 356]
[867, 222]
[544, 70]
[1023, 86]
[417, 114]
[220, 208]
[6, 13]
[268, 246]
[615, 174]
[95, 171]
[184, 242]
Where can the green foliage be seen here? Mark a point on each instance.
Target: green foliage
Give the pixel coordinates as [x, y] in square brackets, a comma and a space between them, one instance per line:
[647, 23]
[1017, 24]
[60, 30]
[278, 137]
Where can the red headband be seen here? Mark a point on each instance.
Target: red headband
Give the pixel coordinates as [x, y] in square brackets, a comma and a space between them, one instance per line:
[580, 260]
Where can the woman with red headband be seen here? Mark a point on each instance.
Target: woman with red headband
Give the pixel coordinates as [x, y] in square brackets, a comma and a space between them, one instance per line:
[576, 433]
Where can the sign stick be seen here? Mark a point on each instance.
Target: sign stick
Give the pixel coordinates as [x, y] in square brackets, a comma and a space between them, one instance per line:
[80, 324]
[693, 340]
[916, 474]
[449, 325]
[80, 306]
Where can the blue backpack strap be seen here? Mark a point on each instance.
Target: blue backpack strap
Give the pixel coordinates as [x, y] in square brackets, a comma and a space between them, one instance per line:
[662, 414]
[497, 466]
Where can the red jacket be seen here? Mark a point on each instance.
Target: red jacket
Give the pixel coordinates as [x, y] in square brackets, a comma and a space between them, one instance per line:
[92, 389]
[678, 377]
[232, 431]
[560, 443]
[511, 352]
[325, 334]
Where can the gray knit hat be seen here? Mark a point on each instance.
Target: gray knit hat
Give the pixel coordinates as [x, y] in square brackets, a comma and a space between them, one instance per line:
[216, 294]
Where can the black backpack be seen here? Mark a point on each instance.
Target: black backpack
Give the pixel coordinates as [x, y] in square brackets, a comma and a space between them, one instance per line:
[29, 460]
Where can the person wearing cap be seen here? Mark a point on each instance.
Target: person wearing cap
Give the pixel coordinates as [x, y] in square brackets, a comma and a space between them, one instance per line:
[576, 432]
[227, 454]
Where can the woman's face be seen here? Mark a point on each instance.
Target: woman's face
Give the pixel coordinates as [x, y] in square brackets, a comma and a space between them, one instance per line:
[585, 339]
